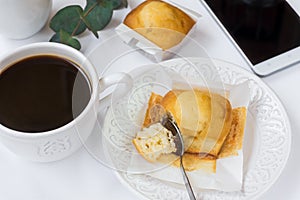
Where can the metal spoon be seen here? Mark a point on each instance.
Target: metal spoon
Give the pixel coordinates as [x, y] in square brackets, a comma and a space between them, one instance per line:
[168, 122]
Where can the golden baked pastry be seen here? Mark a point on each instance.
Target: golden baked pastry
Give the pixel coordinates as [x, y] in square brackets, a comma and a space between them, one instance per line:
[203, 118]
[160, 22]
[154, 141]
[153, 103]
[217, 131]
[234, 140]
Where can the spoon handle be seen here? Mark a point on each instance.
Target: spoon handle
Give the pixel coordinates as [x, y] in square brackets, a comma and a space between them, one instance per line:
[187, 181]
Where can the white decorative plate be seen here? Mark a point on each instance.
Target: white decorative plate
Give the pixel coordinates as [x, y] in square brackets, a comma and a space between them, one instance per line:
[266, 147]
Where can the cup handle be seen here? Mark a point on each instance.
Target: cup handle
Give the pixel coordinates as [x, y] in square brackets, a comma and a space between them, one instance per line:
[110, 80]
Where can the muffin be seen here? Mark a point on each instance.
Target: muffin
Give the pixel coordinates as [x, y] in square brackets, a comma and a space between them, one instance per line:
[203, 118]
[163, 24]
[211, 129]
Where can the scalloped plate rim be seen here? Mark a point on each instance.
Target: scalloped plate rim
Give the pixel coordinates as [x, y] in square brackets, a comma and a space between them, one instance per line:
[262, 84]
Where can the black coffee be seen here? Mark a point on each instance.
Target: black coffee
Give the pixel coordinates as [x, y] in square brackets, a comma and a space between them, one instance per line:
[42, 93]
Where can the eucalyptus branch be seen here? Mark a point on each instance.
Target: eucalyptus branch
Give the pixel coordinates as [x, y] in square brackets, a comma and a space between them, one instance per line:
[73, 20]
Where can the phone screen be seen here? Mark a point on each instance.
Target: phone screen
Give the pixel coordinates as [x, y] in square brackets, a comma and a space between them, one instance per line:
[261, 30]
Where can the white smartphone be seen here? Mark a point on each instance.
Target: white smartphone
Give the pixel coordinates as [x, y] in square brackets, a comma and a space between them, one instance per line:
[265, 32]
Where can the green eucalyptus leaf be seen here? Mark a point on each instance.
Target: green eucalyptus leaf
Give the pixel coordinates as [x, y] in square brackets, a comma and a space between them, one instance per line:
[120, 4]
[90, 2]
[113, 4]
[97, 14]
[69, 19]
[65, 38]
[73, 20]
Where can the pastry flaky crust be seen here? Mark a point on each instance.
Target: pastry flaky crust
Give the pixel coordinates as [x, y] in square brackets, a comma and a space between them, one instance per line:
[154, 100]
[234, 140]
[218, 134]
[160, 22]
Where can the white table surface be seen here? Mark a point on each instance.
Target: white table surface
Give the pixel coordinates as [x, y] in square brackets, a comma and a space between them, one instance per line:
[81, 177]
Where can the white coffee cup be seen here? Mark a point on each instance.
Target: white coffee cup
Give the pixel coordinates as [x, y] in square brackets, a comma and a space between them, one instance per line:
[59, 143]
[20, 19]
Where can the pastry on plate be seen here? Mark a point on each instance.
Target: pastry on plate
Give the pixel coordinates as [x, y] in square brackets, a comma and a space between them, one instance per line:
[211, 129]
[203, 118]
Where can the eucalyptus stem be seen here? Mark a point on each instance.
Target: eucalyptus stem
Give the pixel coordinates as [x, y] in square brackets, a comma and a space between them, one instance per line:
[73, 20]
